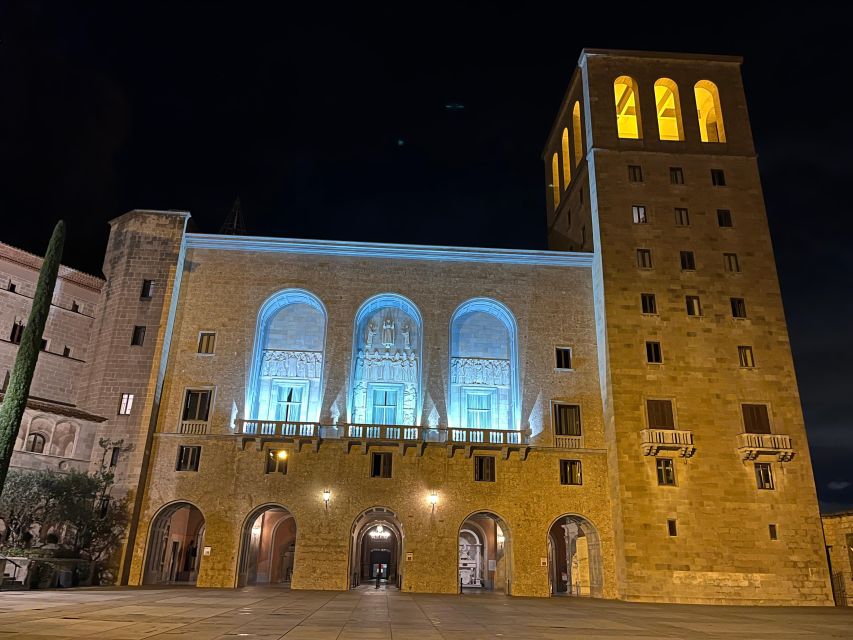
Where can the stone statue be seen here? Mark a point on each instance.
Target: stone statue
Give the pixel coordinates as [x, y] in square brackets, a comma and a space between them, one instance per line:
[388, 333]
[406, 337]
[371, 331]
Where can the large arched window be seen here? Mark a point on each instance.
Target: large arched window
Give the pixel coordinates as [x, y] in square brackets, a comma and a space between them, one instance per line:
[288, 358]
[627, 108]
[577, 132]
[668, 108]
[555, 179]
[387, 361]
[484, 390]
[567, 163]
[711, 127]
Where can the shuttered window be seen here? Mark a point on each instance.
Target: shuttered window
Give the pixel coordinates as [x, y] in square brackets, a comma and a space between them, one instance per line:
[660, 414]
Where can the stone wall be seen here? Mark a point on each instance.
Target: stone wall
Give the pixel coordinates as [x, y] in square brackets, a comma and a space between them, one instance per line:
[838, 533]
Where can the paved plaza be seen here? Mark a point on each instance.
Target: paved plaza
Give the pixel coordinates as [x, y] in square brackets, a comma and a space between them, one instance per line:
[368, 614]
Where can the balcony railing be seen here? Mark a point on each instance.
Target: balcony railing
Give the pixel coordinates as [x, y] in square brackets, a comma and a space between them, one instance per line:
[390, 432]
[280, 428]
[656, 440]
[753, 445]
[194, 427]
[568, 442]
[486, 436]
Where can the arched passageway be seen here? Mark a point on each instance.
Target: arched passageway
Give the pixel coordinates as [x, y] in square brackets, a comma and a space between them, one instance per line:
[574, 558]
[267, 547]
[175, 545]
[484, 560]
[377, 548]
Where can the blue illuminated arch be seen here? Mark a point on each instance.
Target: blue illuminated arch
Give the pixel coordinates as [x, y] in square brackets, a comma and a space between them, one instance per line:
[267, 312]
[368, 308]
[501, 312]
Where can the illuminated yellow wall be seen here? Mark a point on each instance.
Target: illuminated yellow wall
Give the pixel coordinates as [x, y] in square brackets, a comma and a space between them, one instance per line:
[567, 165]
[555, 179]
[627, 109]
[576, 129]
[668, 107]
[710, 114]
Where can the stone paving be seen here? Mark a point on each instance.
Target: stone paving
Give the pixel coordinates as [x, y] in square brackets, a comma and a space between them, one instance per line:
[368, 614]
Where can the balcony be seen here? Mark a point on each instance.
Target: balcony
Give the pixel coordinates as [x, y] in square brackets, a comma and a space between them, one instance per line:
[753, 445]
[656, 440]
[568, 442]
[194, 427]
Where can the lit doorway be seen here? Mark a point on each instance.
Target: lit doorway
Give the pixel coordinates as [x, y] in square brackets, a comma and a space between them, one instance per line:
[484, 558]
[574, 558]
[377, 547]
[175, 545]
[267, 547]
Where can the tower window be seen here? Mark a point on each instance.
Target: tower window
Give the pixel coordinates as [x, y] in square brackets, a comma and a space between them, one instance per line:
[653, 353]
[763, 475]
[676, 175]
[724, 217]
[635, 173]
[43, 345]
[738, 308]
[774, 532]
[668, 110]
[745, 356]
[138, 337]
[276, 461]
[567, 419]
[115, 454]
[671, 527]
[564, 357]
[484, 468]
[682, 217]
[644, 258]
[666, 472]
[380, 465]
[638, 213]
[197, 405]
[570, 472]
[66, 352]
[188, 458]
[206, 342]
[75, 308]
[731, 263]
[694, 306]
[627, 109]
[147, 289]
[567, 163]
[688, 261]
[649, 303]
[718, 178]
[126, 404]
[17, 333]
[710, 113]
[12, 288]
[555, 180]
[35, 443]
[756, 418]
[576, 131]
[660, 414]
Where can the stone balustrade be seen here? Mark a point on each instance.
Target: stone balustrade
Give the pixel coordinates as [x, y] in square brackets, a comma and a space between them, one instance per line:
[753, 445]
[656, 440]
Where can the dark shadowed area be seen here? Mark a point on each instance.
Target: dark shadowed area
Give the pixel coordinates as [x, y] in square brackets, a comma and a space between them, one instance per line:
[409, 123]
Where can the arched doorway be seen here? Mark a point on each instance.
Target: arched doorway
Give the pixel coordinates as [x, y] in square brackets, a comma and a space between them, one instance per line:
[574, 558]
[174, 545]
[267, 547]
[377, 547]
[484, 559]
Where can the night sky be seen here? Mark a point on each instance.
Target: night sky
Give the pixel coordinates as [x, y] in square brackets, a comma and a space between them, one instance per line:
[333, 124]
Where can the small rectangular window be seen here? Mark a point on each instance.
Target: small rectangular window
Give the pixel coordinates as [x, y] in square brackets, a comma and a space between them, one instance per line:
[671, 527]
[567, 419]
[738, 308]
[688, 261]
[653, 353]
[484, 468]
[638, 212]
[774, 532]
[694, 306]
[756, 418]
[147, 289]
[126, 404]
[138, 337]
[676, 175]
[682, 217]
[75, 308]
[724, 217]
[206, 342]
[188, 458]
[380, 465]
[43, 345]
[731, 263]
[660, 414]
[635, 173]
[66, 351]
[570, 472]
[718, 178]
[114, 456]
[276, 461]
[763, 475]
[644, 258]
[649, 303]
[17, 333]
[666, 472]
[12, 287]
[746, 357]
[197, 405]
[564, 357]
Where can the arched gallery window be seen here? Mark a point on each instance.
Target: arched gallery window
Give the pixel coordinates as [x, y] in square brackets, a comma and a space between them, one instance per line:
[567, 163]
[711, 127]
[484, 391]
[386, 373]
[668, 108]
[288, 358]
[555, 179]
[35, 443]
[627, 108]
[577, 131]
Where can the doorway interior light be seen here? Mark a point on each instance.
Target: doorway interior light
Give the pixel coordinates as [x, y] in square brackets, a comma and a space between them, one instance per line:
[379, 533]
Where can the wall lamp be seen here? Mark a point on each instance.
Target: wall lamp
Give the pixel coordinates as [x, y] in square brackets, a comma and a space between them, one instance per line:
[433, 500]
[327, 495]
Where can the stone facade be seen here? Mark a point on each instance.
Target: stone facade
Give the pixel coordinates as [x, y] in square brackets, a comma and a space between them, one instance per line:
[838, 533]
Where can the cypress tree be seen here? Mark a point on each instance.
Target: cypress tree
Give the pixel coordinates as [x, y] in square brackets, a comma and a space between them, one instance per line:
[15, 399]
